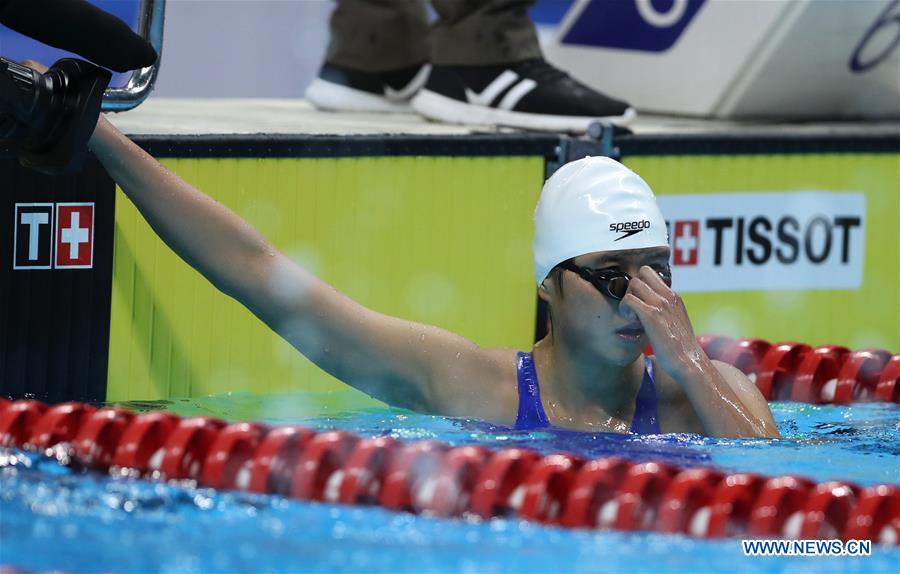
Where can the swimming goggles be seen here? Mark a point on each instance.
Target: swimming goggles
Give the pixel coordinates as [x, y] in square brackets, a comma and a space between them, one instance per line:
[610, 282]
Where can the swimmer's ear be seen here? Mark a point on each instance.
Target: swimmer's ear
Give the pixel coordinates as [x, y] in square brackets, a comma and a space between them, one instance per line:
[544, 291]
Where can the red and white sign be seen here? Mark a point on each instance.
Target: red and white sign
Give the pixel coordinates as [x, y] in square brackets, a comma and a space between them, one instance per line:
[766, 240]
[686, 242]
[74, 235]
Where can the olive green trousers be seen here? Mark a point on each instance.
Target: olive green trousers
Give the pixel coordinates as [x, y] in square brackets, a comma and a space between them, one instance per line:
[381, 35]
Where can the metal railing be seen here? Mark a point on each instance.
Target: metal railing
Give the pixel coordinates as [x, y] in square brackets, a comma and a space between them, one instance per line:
[140, 84]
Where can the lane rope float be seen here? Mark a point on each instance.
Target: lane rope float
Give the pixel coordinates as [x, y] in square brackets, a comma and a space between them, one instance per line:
[432, 478]
[827, 374]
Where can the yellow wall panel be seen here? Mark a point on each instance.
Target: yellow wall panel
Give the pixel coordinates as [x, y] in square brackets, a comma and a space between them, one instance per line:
[440, 240]
[446, 241]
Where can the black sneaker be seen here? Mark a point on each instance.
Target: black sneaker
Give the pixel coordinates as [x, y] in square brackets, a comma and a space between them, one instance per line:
[531, 94]
[342, 89]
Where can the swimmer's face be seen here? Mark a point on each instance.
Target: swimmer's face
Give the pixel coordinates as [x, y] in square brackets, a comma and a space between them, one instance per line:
[591, 322]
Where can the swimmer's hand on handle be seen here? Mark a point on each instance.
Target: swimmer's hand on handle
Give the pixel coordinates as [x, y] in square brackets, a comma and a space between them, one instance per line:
[713, 388]
[403, 363]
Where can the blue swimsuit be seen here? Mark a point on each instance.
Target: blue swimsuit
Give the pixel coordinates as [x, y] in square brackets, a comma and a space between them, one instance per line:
[531, 411]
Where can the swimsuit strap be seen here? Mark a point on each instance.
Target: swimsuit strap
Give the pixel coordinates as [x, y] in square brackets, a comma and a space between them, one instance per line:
[531, 412]
[646, 407]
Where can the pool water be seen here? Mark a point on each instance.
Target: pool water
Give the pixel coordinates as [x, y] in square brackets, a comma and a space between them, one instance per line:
[52, 518]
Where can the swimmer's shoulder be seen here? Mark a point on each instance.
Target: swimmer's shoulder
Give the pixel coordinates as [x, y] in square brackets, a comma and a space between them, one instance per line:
[481, 385]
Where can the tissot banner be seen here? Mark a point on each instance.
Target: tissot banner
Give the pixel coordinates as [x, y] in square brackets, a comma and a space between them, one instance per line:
[773, 240]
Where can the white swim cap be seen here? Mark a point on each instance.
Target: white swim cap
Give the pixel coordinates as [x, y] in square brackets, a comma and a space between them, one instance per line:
[594, 204]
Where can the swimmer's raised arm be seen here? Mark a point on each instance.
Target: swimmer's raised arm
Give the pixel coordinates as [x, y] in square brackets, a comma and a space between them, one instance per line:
[401, 362]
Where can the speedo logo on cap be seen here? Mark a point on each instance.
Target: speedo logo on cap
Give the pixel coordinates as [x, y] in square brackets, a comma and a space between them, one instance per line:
[628, 228]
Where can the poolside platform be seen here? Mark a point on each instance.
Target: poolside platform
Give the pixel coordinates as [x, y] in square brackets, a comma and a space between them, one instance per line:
[169, 116]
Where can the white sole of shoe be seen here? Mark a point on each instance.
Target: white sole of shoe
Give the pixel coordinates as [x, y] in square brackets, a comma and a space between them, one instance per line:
[441, 108]
[333, 97]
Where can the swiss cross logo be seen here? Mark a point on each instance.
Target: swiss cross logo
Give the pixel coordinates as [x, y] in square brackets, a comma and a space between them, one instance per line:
[74, 235]
[686, 242]
[49, 235]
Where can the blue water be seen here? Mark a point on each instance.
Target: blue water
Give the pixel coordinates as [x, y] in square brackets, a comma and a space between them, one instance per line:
[54, 519]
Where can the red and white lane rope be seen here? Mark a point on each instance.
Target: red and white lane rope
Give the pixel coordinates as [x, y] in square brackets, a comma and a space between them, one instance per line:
[433, 478]
[828, 374]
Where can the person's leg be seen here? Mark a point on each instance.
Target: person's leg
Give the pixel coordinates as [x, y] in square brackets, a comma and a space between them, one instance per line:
[378, 35]
[376, 58]
[487, 68]
[482, 32]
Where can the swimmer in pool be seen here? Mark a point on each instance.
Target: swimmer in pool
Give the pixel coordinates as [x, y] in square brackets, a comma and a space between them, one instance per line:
[601, 264]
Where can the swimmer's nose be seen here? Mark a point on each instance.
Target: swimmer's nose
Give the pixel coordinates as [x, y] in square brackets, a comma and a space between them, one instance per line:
[628, 313]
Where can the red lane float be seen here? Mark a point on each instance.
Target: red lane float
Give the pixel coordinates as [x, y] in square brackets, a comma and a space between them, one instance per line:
[685, 504]
[318, 472]
[430, 477]
[731, 505]
[859, 376]
[888, 388]
[447, 493]
[498, 491]
[639, 495]
[230, 457]
[776, 373]
[797, 372]
[595, 484]
[817, 374]
[275, 459]
[186, 448]
[365, 470]
[547, 486]
[876, 516]
[779, 506]
[100, 435]
[141, 444]
[58, 425]
[407, 472]
[827, 510]
[18, 420]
